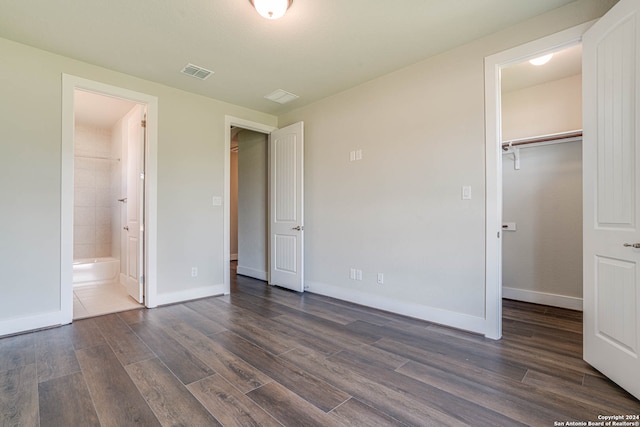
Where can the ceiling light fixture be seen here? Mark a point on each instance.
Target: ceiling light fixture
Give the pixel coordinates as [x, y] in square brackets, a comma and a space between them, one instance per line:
[271, 9]
[541, 60]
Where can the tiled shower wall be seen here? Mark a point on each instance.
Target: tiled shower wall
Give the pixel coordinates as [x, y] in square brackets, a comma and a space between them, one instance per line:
[96, 177]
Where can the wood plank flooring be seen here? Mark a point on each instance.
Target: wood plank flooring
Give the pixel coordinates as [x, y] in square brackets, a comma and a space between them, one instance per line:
[264, 356]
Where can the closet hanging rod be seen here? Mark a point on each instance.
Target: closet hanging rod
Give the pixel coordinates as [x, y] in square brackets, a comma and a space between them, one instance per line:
[556, 137]
[98, 158]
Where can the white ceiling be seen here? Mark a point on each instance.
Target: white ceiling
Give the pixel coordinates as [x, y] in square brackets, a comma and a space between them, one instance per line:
[319, 48]
[99, 111]
[564, 63]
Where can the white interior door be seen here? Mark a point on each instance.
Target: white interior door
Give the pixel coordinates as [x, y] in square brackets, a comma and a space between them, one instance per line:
[286, 235]
[134, 228]
[611, 150]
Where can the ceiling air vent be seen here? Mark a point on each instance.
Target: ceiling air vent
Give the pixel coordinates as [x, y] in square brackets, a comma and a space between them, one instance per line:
[197, 72]
[281, 96]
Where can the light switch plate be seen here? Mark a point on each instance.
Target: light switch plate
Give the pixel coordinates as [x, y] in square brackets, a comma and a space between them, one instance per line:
[466, 192]
[217, 201]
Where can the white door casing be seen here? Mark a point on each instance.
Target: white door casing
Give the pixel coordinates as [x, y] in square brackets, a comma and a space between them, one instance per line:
[493, 161]
[286, 206]
[134, 228]
[611, 165]
[69, 84]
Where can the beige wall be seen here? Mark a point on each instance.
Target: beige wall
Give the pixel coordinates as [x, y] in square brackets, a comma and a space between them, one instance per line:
[399, 210]
[190, 172]
[543, 109]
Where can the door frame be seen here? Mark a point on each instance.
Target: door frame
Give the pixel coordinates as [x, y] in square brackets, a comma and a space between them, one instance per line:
[493, 161]
[69, 84]
[230, 121]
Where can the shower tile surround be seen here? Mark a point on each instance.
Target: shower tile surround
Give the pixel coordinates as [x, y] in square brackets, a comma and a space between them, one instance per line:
[96, 190]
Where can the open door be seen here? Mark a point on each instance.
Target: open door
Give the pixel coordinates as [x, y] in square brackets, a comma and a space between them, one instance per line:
[286, 220]
[134, 228]
[611, 156]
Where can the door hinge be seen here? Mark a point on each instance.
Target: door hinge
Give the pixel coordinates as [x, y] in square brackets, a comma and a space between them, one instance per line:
[143, 123]
[142, 280]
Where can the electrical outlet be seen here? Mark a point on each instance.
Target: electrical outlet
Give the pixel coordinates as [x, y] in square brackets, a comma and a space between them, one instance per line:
[358, 274]
[380, 278]
[194, 271]
[352, 274]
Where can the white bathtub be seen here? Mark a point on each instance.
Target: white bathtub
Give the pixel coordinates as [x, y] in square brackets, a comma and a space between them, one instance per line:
[94, 271]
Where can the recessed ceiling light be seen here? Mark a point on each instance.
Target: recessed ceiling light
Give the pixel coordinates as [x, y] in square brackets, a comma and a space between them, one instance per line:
[541, 60]
[196, 71]
[281, 96]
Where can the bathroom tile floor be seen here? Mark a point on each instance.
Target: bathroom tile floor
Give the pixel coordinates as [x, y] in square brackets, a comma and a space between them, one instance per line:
[95, 300]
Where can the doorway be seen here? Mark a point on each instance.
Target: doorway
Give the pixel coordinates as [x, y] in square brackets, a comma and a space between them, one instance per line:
[97, 156]
[285, 201]
[494, 66]
[108, 145]
[249, 203]
[238, 124]
[541, 111]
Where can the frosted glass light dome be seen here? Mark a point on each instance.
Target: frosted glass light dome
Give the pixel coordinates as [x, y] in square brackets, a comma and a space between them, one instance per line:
[541, 60]
[272, 9]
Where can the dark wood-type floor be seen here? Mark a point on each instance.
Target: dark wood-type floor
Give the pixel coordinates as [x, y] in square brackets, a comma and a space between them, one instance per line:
[264, 356]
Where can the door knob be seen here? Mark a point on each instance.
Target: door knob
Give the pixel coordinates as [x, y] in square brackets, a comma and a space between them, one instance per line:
[632, 245]
[126, 227]
[297, 228]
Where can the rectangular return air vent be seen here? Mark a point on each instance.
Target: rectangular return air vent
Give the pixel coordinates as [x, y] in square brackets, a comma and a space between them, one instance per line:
[281, 96]
[196, 71]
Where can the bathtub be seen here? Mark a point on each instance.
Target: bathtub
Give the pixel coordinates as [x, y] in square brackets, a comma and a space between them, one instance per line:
[94, 271]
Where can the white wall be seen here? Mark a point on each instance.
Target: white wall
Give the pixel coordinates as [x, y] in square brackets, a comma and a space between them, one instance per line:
[190, 172]
[252, 204]
[542, 259]
[399, 210]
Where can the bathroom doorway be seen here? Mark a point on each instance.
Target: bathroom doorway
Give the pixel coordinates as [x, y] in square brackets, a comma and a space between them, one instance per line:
[148, 265]
[108, 245]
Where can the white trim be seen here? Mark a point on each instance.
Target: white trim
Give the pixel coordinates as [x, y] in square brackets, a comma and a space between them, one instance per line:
[30, 323]
[69, 85]
[493, 162]
[544, 298]
[252, 272]
[249, 125]
[190, 294]
[429, 314]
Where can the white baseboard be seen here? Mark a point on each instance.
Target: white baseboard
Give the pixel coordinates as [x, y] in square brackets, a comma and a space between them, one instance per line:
[252, 272]
[189, 294]
[233, 257]
[544, 298]
[430, 314]
[30, 323]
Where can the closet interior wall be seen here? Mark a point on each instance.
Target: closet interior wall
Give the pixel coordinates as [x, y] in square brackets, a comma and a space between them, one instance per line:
[542, 200]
